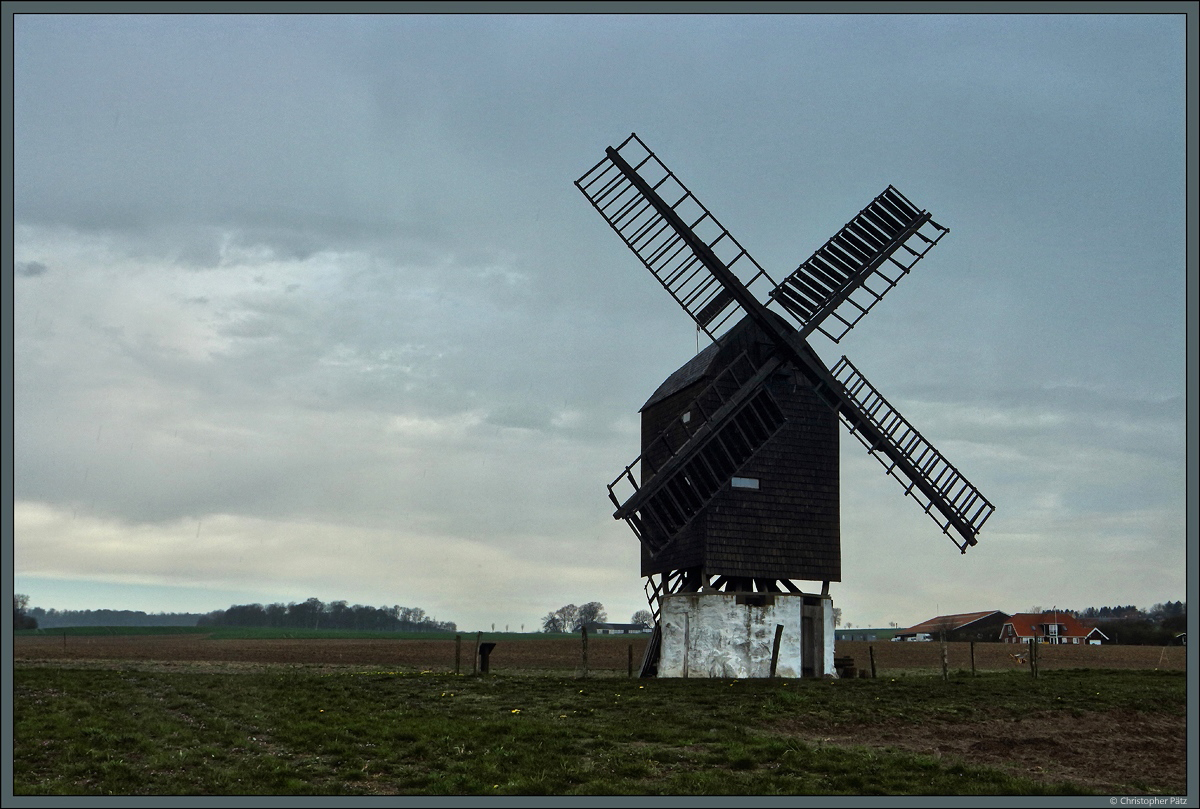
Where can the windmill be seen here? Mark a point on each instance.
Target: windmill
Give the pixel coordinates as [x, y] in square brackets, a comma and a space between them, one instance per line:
[734, 497]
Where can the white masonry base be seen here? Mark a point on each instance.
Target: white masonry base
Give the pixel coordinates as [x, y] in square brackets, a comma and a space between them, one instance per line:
[716, 634]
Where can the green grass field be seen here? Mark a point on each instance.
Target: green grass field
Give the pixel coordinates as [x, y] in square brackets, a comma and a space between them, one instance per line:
[300, 731]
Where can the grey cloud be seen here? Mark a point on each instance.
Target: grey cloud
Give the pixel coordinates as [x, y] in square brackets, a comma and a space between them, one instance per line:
[335, 266]
[30, 269]
[528, 417]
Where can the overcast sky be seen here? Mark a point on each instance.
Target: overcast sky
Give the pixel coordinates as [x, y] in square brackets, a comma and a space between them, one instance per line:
[310, 306]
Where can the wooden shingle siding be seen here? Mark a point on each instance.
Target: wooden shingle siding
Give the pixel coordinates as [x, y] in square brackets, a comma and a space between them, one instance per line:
[788, 528]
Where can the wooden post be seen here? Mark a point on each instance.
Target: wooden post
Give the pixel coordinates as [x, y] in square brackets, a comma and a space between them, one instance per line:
[775, 648]
[631, 660]
[458, 654]
[584, 668]
[972, 658]
[871, 649]
[485, 653]
[945, 665]
[475, 656]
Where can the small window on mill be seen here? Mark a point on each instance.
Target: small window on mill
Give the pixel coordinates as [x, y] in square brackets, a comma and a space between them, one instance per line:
[686, 417]
[744, 483]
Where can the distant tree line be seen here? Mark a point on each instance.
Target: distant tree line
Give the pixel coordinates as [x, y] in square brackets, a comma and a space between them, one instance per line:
[1157, 626]
[570, 618]
[314, 614]
[1129, 625]
[52, 618]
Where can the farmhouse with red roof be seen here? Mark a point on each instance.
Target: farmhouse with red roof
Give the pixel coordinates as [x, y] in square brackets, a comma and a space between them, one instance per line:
[1049, 627]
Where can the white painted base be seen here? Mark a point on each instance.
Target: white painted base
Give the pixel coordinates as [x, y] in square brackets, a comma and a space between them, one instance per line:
[712, 635]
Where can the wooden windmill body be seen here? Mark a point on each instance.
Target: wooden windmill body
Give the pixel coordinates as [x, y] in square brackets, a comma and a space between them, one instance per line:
[778, 517]
[735, 496]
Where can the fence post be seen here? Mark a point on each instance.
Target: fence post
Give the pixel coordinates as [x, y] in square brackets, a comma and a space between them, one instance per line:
[945, 663]
[871, 650]
[775, 649]
[475, 655]
[485, 651]
[584, 669]
[458, 654]
[972, 658]
[631, 660]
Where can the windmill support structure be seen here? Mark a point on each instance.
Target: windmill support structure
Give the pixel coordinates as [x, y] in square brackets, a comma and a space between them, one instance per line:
[737, 627]
[732, 635]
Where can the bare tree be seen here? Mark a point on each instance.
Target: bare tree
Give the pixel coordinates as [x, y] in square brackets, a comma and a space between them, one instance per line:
[570, 617]
[642, 617]
[20, 619]
[589, 612]
[564, 619]
[553, 622]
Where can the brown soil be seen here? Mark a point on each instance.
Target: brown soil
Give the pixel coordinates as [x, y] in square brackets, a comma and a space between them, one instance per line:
[1117, 752]
[604, 654]
[994, 656]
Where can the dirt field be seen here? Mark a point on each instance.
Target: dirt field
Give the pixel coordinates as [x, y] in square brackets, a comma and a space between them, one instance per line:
[610, 654]
[604, 653]
[1104, 751]
[891, 656]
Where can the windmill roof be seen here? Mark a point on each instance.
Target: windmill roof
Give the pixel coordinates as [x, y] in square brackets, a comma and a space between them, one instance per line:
[687, 375]
[1028, 624]
[949, 623]
[701, 366]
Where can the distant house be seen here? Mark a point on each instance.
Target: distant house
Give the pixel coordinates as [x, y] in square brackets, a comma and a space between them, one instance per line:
[1049, 627]
[601, 628]
[959, 627]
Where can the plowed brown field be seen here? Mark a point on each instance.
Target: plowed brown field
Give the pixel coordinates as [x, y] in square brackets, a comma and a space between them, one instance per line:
[533, 653]
[513, 656]
[891, 656]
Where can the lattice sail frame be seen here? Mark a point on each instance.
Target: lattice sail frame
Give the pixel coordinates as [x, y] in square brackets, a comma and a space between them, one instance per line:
[668, 254]
[957, 501]
[850, 273]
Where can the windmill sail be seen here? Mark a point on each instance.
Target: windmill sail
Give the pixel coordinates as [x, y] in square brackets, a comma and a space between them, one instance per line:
[943, 492]
[677, 239]
[732, 418]
[851, 272]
